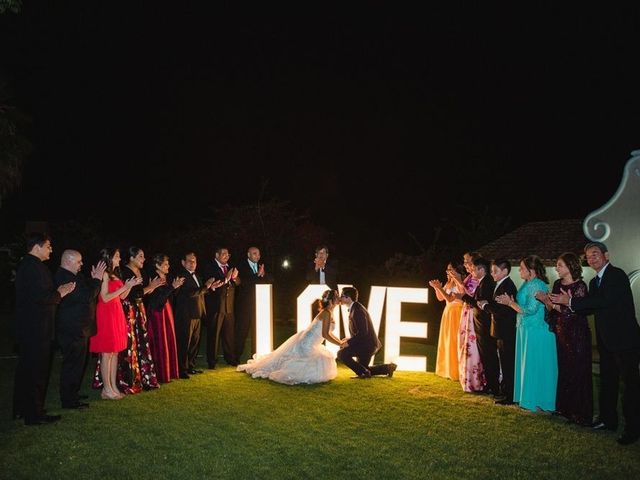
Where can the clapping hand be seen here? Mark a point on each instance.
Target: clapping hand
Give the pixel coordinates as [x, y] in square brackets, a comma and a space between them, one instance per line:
[97, 271]
[542, 296]
[319, 263]
[261, 270]
[66, 288]
[156, 282]
[504, 299]
[437, 284]
[561, 298]
[177, 282]
[212, 283]
[133, 281]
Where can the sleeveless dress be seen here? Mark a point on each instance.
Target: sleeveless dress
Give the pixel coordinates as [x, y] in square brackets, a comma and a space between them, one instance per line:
[111, 335]
[302, 358]
[136, 370]
[162, 335]
[447, 358]
[470, 366]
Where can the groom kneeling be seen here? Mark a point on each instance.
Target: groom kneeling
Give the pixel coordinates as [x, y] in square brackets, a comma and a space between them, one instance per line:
[363, 344]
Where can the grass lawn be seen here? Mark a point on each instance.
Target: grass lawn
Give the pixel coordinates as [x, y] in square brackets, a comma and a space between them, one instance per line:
[224, 424]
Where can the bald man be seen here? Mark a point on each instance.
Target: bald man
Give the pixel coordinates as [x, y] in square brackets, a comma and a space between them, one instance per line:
[75, 323]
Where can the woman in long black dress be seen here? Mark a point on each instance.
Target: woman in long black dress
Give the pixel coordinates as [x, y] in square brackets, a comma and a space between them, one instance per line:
[574, 397]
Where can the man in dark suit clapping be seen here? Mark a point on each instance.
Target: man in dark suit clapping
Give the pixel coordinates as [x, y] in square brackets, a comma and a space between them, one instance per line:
[189, 310]
[323, 272]
[251, 272]
[36, 302]
[618, 336]
[75, 323]
[221, 309]
[503, 326]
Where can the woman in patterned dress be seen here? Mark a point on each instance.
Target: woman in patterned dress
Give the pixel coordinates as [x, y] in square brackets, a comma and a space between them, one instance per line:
[469, 363]
[136, 362]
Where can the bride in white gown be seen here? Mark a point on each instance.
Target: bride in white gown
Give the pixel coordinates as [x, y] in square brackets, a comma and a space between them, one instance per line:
[302, 358]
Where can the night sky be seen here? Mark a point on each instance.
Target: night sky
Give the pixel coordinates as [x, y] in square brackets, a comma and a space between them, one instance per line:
[184, 108]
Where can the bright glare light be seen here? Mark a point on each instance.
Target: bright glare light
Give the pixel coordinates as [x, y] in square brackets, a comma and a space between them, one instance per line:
[395, 328]
[264, 319]
[285, 263]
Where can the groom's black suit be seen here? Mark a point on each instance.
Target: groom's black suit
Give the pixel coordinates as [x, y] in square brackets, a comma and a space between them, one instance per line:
[363, 344]
[482, 324]
[618, 337]
[503, 329]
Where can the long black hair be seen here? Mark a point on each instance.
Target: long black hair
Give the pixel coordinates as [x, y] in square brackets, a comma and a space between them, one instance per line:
[106, 255]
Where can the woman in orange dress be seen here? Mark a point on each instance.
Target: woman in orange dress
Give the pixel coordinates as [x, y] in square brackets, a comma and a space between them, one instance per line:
[447, 359]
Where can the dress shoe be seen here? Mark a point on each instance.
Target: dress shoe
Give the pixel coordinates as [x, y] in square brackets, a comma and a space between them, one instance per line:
[628, 438]
[77, 405]
[42, 420]
[212, 366]
[392, 368]
[185, 376]
[194, 371]
[599, 425]
[362, 376]
[504, 401]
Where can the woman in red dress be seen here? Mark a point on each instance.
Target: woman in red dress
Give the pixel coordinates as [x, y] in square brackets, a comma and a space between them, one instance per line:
[111, 335]
[160, 326]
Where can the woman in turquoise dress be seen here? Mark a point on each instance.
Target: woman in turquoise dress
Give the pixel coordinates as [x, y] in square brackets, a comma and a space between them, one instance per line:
[536, 367]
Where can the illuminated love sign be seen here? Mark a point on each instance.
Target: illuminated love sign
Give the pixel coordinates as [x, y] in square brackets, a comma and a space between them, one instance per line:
[394, 326]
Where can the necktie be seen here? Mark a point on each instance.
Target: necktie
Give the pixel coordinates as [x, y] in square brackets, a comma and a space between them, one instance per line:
[254, 267]
[224, 269]
[597, 280]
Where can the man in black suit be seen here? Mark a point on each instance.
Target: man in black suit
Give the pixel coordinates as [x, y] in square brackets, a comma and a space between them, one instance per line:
[487, 346]
[251, 272]
[618, 337]
[322, 272]
[363, 344]
[36, 302]
[221, 309]
[189, 311]
[503, 326]
[75, 323]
